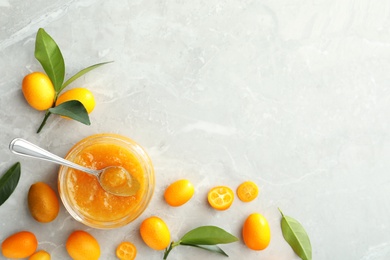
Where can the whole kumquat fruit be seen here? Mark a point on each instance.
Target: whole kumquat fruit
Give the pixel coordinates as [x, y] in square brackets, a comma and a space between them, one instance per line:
[179, 193]
[81, 94]
[38, 90]
[81, 245]
[256, 232]
[247, 191]
[220, 197]
[19, 245]
[126, 251]
[40, 255]
[155, 233]
[43, 202]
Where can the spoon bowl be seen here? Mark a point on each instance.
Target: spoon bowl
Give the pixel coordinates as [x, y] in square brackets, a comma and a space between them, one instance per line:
[113, 179]
[118, 181]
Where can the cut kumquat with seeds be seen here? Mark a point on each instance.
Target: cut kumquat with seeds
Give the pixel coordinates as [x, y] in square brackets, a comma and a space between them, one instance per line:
[247, 191]
[126, 251]
[220, 197]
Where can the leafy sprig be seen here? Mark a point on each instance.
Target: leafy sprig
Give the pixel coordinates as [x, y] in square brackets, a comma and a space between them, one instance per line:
[204, 237]
[50, 57]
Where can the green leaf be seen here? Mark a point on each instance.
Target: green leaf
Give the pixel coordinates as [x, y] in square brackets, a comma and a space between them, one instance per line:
[296, 237]
[208, 235]
[81, 73]
[204, 237]
[73, 109]
[49, 55]
[212, 248]
[8, 182]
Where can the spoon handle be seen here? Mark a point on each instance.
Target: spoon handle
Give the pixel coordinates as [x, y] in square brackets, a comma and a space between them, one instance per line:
[22, 147]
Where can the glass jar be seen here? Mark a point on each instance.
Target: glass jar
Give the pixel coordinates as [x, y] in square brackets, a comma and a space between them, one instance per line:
[81, 193]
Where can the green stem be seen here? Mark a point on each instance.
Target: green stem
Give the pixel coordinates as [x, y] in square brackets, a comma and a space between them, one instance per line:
[44, 121]
[281, 212]
[169, 249]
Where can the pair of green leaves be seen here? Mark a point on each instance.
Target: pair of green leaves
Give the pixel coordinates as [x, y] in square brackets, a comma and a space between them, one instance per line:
[50, 57]
[296, 237]
[8, 182]
[204, 237]
[208, 237]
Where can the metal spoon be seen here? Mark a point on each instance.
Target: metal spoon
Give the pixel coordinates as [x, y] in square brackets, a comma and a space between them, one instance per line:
[108, 177]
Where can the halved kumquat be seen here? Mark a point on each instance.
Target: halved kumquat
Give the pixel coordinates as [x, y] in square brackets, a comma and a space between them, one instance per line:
[220, 197]
[126, 251]
[247, 191]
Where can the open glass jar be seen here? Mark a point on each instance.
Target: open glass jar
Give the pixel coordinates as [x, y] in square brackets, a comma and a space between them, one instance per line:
[81, 193]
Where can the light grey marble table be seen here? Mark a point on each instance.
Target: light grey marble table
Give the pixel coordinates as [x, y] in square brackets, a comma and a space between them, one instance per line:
[294, 95]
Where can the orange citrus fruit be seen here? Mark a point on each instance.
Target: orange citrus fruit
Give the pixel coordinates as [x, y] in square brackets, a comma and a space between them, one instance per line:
[126, 251]
[247, 191]
[43, 202]
[38, 90]
[19, 245]
[155, 233]
[40, 255]
[179, 193]
[81, 245]
[256, 232]
[81, 94]
[220, 197]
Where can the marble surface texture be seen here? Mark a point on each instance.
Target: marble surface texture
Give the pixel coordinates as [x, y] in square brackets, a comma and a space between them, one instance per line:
[291, 94]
